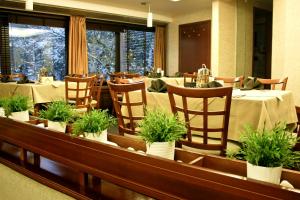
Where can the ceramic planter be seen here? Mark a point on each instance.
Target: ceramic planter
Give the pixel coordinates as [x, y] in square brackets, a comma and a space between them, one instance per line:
[266, 174]
[162, 149]
[2, 112]
[58, 126]
[20, 116]
[100, 138]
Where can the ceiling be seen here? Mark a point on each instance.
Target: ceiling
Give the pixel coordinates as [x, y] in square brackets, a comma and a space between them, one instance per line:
[162, 7]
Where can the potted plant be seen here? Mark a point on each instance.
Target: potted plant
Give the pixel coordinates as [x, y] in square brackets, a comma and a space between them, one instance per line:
[267, 151]
[93, 125]
[16, 107]
[160, 131]
[58, 113]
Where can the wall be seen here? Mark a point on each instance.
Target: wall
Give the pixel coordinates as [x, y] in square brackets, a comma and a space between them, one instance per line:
[286, 44]
[173, 37]
[244, 40]
[102, 8]
[223, 53]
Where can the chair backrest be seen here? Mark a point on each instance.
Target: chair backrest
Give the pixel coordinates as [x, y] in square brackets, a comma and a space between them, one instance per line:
[232, 81]
[79, 91]
[189, 78]
[135, 108]
[16, 76]
[96, 92]
[204, 114]
[297, 129]
[114, 77]
[274, 82]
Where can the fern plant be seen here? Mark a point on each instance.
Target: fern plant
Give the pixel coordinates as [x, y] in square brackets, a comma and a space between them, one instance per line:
[268, 148]
[15, 104]
[58, 111]
[158, 126]
[93, 122]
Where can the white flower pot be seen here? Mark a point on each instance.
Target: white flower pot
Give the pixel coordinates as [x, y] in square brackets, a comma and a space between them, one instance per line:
[20, 116]
[100, 138]
[2, 112]
[267, 174]
[58, 126]
[162, 149]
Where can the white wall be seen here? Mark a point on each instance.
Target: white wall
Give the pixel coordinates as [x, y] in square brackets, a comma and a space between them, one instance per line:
[223, 48]
[102, 8]
[286, 44]
[173, 37]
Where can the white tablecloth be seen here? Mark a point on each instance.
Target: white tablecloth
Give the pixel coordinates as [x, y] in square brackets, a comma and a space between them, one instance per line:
[257, 108]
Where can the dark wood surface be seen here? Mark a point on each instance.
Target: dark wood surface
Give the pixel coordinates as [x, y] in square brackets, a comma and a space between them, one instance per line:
[196, 177]
[194, 46]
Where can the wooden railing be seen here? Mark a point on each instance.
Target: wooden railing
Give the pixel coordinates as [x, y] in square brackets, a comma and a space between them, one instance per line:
[190, 176]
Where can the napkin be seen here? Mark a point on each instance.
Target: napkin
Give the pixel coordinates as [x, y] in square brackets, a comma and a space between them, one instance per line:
[252, 83]
[212, 84]
[157, 85]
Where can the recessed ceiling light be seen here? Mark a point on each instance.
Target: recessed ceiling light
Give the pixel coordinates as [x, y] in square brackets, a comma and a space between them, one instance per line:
[175, 0]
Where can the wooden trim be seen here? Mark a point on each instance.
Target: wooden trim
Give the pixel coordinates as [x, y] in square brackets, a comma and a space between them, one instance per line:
[209, 178]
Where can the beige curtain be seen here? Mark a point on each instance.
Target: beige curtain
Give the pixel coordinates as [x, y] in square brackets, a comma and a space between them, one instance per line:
[159, 48]
[78, 60]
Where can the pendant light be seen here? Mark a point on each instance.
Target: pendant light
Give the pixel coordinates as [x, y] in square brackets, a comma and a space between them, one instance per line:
[29, 5]
[149, 17]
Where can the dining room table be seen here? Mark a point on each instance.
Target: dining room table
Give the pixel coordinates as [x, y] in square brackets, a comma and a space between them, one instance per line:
[256, 108]
[37, 93]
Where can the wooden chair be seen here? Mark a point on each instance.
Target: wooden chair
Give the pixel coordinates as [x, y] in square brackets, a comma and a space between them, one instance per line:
[79, 91]
[114, 77]
[96, 93]
[204, 113]
[189, 79]
[16, 76]
[274, 82]
[232, 81]
[128, 118]
[297, 130]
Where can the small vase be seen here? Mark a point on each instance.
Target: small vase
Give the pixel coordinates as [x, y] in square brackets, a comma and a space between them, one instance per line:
[162, 149]
[266, 174]
[2, 112]
[58, 126]
[98, 137]
[20, 116]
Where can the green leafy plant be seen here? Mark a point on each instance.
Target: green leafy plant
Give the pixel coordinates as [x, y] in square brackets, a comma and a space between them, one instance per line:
[15, 104]
[94, 122]
[157, 126]
[268, 148]
[58, 111]
[2, 101]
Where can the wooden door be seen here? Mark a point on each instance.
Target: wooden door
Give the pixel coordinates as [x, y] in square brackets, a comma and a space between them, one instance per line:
[194, 46]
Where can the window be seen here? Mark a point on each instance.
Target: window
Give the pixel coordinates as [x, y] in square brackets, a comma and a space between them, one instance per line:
[137, 51]
[101, 51]
[34, 46]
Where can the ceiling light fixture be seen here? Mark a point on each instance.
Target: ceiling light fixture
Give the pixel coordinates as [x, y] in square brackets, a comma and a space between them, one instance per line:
[175, 0]
[29, 5]
[149, 17]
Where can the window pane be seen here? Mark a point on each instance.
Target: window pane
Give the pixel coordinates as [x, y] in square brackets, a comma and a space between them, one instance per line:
[101, 51]
[33, 47]
[137, 51]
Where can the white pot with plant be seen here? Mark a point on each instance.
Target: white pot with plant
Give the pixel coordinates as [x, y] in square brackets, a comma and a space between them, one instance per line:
[93, 125]
[58, 113]
[16, 107]
[267, 151]
[160, 131]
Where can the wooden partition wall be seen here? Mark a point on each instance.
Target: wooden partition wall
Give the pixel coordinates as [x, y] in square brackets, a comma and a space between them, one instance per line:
[190, 176]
